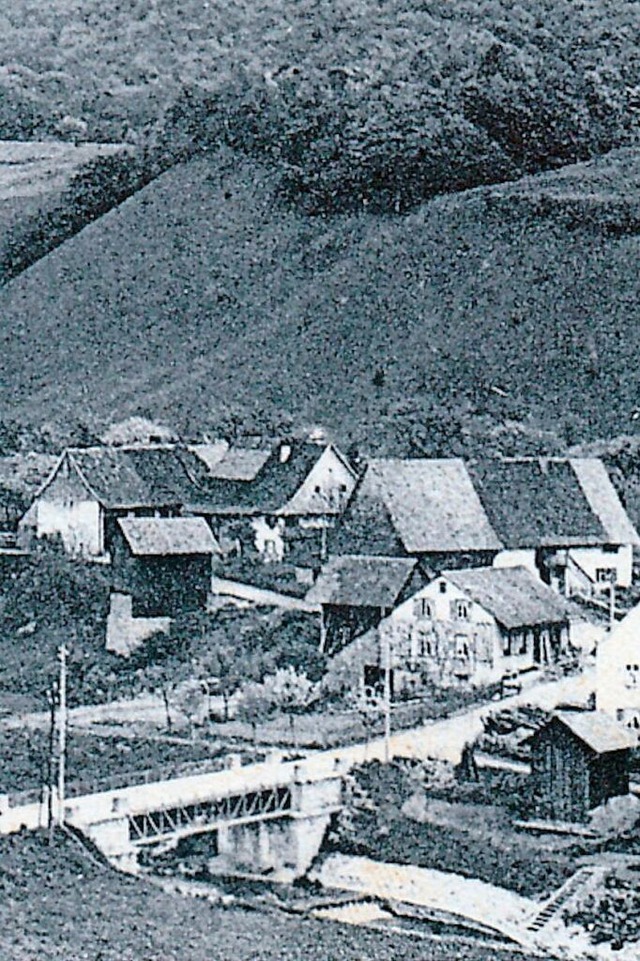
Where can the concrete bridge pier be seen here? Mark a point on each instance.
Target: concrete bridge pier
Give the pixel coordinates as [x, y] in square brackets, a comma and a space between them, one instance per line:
[285, 845]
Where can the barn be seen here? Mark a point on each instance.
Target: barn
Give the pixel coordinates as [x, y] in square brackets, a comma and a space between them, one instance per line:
[579, 760]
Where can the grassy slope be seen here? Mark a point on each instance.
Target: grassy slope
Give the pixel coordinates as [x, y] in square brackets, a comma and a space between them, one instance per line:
[203, 291]
[57, 904]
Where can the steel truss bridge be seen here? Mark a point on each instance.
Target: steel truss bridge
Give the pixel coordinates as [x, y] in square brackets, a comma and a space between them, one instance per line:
[186, 819]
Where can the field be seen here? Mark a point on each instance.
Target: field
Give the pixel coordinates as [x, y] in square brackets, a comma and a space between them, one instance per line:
[465, 323]
[59, 904]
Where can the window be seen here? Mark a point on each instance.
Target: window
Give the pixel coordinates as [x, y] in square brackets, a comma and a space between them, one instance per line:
[461, 610]
[422, 607]
[632, 675]
[506, 645]
[426, 647]
[461, 646]
[605, 575]
[443, 587]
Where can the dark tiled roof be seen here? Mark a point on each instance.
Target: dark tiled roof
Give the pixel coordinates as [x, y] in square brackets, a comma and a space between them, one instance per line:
[122, 477]
[511, 594]
[360, 581]
[166, 536]
[536, 503]
[273, 486]
[432, 504]
[597, 730]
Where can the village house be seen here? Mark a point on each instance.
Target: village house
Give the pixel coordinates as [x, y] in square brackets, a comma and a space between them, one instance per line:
[283, 511]
[467, 626]
[161, 568]
[562, 519]
[579, 760]
[21, 475]
[618, 671]
[89, 489]
[476, 625]
[356, 592]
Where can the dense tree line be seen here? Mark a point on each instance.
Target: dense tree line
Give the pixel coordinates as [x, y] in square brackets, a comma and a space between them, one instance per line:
[379, 103]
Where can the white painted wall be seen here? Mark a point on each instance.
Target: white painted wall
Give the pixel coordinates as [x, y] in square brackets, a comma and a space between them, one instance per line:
[618, 669]
[79, 523]
[408, 631]
[269, 538]
[518, 558]
[591, 559]
[326, 489]
[124, 631]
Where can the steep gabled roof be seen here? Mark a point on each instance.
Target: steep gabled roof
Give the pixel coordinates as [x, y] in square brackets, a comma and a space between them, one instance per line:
[122, 477]
[279, 478]
[167, 536]
[604, 501]
[536, 503]
[362, 581]
[431, 503]
[597, 730]
[510, 594]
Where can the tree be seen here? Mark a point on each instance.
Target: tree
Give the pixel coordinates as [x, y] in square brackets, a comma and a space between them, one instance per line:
[190, 697]
[254, 705]
[290, 693]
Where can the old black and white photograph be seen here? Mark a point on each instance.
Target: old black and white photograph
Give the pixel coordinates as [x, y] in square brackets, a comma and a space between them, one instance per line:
[319, 480]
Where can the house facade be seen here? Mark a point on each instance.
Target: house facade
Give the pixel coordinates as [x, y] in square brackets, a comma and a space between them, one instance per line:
[475, 626]
[283, 512]
[356, 592]
[466, 627]
[89, 489]
[161, 568]
[618, 672]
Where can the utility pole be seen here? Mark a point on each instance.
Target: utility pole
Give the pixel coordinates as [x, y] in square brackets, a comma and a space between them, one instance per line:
[62, 730]
[612, 602]
[51, 700]
[386, 699]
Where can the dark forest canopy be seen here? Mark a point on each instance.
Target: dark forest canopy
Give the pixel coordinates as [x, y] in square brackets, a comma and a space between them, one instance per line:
[381, 102]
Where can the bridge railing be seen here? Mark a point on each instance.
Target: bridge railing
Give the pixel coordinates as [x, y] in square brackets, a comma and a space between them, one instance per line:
[80, 786]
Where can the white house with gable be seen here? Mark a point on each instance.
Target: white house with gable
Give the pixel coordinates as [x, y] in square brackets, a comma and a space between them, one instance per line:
[618, 671]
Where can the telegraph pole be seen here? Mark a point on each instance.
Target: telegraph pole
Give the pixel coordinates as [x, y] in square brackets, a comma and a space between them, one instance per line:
[51, 700]
[612, 602]
[62, 730]
[386, 653]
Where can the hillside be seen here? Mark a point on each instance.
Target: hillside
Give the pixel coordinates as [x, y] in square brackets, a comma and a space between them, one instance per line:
[205, 296]
[57, 903]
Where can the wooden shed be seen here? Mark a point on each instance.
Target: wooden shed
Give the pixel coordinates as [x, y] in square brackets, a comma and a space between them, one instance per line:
[579, 760]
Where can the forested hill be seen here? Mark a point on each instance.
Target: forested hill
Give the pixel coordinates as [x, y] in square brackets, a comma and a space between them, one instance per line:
[207, 297]
[375, 102]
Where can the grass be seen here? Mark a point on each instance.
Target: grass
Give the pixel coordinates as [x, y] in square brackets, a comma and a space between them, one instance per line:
[57, 903]
[290, 316]
[451, 830]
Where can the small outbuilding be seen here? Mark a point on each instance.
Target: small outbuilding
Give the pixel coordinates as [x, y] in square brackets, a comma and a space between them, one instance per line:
[579, 760]
[164, 563]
